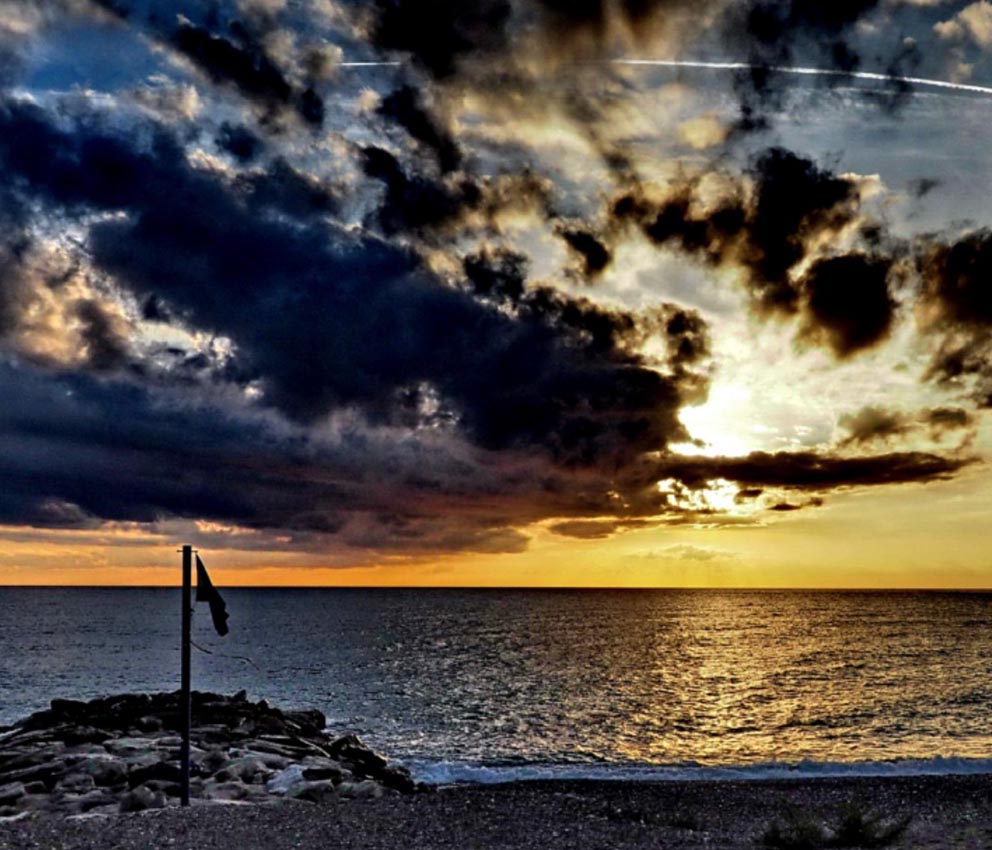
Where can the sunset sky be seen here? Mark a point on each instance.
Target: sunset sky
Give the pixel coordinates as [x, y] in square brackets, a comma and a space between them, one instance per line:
[455, 293]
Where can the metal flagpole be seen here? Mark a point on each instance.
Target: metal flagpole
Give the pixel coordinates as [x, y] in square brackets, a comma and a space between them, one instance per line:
[185, 704]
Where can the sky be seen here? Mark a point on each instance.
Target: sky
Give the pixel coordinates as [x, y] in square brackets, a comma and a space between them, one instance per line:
[640, 293]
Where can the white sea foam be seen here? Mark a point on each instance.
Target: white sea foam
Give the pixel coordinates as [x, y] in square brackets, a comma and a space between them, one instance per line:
[455, 773]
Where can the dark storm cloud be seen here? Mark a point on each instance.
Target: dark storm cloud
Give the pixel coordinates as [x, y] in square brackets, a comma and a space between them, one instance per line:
[592, 252]
[810, 470]
[431, 208]
[595, 529]
[843, 302]
[237, 58]
[771, 33]
[502, 46]
[414, 203]
[238, 141]
[128, 455]
[767, 232]
[406, 107]
[242, 62]
[106, 346]
[943, 419]
[440, 34]
[280, 187]
[956, 308]
[878, 424]
[324, 318]
[848, 303]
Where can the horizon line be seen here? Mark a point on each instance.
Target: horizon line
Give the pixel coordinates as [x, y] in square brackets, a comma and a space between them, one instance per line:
[488, 587]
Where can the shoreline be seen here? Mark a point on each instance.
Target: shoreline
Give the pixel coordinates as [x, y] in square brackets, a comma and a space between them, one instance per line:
[444, 773]
[943, 812]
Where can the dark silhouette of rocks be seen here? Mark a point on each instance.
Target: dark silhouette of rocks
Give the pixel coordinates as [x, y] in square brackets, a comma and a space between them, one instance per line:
[121, 754]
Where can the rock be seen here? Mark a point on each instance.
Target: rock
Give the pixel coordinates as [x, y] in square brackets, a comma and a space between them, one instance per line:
[227, 791]
[69, 708]
[48, 772]
[363, 788]
[351, 749]
[107, 770]
[270, 760]
[210, 761]
[122, 753]
[141, 798]
[285, 779]
[170, 789]
[129, 746]
[275, 749]
[158, 770]
[243, 770]
[91, 800]
[149, 723]
[10, 793]
[398, 778]
[77, 783]
[307, 720]
[335, 774]
[84, 735]
[318, 767]
[320, 791]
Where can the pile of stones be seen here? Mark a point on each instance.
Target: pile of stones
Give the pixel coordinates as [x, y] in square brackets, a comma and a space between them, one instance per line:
[122, 753]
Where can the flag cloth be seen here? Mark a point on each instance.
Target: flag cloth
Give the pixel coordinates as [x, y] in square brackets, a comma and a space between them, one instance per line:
[206, 592]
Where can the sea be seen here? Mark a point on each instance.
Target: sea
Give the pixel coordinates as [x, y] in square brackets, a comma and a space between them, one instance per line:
[499, 685]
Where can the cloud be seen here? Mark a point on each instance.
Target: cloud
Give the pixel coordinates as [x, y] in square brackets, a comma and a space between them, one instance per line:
[244, 64]
[405, 106]
[808, 471]
[955, 308]
[973, 21]
[875, 424]
[359, 349]
[686, 552]
[595, 529]
[848, 305]
[241, 60]
[702, 132]
[776, 231]
[238, 141]
[593, 255]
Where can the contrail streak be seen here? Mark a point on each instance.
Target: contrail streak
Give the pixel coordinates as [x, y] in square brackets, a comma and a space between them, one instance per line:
[747, 66]
[367, 64]
[806, 72]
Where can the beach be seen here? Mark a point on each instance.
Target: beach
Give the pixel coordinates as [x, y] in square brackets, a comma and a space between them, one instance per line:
[945, 812]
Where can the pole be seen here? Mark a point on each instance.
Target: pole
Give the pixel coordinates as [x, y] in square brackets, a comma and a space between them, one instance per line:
[185, 703]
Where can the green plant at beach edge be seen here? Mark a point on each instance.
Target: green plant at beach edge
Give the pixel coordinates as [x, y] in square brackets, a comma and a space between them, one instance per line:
[857, 828]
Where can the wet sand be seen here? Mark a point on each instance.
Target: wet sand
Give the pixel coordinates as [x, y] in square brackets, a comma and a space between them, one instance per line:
[945, 812]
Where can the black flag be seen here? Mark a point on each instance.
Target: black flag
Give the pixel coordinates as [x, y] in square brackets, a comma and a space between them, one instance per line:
[206, 592]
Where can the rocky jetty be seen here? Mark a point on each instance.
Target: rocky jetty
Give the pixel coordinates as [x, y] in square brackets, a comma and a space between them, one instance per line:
[121, 754]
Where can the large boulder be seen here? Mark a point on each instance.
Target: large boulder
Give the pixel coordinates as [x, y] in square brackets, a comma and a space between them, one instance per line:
[105, 770]
[141, 798]
[318, 791]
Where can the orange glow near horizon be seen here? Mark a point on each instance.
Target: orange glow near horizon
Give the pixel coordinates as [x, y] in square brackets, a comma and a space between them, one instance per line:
[922, 537]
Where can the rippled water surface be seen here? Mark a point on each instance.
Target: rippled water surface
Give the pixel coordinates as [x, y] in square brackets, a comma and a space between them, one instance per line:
[633, 678]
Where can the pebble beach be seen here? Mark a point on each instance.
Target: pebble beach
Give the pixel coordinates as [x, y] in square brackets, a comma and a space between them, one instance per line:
[944, 812]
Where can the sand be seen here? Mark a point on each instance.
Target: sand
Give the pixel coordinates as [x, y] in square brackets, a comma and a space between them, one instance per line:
[946, 812]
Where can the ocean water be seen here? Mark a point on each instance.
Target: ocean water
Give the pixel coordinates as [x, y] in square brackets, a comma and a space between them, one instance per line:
[487, 685]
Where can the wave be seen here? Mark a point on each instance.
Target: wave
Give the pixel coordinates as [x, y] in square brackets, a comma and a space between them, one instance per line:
[468, 773]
